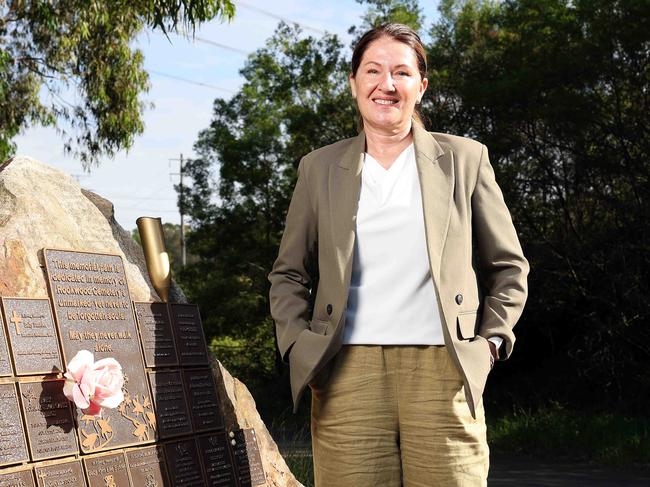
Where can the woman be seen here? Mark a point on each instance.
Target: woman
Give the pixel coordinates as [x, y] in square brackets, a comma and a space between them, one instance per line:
[375, 291]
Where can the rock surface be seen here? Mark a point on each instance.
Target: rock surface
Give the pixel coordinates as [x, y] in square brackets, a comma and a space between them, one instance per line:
[42, 207]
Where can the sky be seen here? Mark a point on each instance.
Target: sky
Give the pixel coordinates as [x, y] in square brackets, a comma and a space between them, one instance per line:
[140, 182]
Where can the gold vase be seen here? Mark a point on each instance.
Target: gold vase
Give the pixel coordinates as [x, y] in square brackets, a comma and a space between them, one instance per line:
[155, 254]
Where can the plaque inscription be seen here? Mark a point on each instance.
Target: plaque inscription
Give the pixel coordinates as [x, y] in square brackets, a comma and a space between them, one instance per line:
[247, 458]
[169, 400]
[32, 335]
[156, 334]
[17, 478]
[69, 474]
[217, 463]
[50, 427]
[203, 400]
[147, 467]
[5, 364]
[13, 448]
[183, 463]
[107, 470]
[93, 309]
[188, 329]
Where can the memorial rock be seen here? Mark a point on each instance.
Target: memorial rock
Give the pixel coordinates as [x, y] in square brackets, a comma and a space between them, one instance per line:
[43, 208]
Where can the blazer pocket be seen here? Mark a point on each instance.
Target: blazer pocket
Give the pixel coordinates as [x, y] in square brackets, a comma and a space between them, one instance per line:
[319, 326]
[466, 325]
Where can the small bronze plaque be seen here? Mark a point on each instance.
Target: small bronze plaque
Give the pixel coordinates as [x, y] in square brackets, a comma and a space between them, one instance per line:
[107, 470]
[48, 416]
[32, 335]
[217, 462]
[156, 334]
[23, 477]
[147, 467]
[13, 448]
[5, 363]
[169, 400]
[188, 329]
[203, 400]
[183, 463]
[93, 312]
[67, 473]
[247, 458]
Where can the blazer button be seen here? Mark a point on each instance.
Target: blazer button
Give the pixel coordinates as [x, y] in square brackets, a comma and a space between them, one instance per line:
[459, 299]
[329, 309]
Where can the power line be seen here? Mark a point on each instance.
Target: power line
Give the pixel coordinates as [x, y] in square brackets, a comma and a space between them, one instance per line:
[190, 81]
[278, 17]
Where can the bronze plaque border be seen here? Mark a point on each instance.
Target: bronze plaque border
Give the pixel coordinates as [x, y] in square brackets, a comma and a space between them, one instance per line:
[34, 380]
[4, 343]
[43, 259]
[21, 424]
[10, 343]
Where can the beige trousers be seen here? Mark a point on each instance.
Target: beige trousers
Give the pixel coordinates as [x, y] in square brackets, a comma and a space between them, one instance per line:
[391, 416]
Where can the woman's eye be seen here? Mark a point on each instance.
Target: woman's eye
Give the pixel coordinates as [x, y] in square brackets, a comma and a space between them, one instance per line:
[403, 73]
[372, 71]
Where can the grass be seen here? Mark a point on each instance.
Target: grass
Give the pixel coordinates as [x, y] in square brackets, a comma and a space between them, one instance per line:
[563, 434]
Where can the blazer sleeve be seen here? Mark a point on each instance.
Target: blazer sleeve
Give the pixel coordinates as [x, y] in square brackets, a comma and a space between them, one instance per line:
[503, 269]
[290, 278]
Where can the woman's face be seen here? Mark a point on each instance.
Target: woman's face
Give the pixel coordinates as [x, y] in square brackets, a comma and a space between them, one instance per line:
[387, 85]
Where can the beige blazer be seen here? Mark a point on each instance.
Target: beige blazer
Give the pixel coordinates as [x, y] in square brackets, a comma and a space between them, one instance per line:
[481, 289]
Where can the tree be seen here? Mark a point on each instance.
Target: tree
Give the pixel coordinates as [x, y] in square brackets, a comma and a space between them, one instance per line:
[295, 98]
[558, 90]
[50, 48]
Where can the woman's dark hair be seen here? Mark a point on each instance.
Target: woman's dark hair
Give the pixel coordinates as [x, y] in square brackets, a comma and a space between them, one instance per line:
[398, 32]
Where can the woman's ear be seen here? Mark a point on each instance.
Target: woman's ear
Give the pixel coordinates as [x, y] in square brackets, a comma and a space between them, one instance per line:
[423, 87]
[353, 87]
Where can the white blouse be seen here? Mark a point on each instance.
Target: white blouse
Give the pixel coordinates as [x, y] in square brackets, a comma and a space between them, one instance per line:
[392, 300]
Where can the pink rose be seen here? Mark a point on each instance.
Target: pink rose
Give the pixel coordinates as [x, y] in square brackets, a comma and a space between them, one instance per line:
[93, 385]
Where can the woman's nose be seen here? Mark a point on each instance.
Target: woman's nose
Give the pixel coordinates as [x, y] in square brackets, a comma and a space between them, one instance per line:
[386, 83]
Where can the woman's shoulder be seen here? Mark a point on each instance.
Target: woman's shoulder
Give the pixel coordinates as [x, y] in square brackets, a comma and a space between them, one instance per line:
[331, 152]
[458, 144]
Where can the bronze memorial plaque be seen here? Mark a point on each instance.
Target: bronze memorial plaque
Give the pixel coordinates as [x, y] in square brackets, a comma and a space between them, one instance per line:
[247, 458]
[203, 400]
[169, 400]
[183, 463]
[217, 462]
[5, 363]
[188, 329]
[32, 335]
[23, 477]
[107, 470]
[13, 448]
[48, 416]
[93, 311]
[147, 467]
[156, 334]
[68, 474]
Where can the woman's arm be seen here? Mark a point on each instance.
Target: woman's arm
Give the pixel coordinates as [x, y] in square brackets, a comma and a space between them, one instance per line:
[503, 269]
[290, 279]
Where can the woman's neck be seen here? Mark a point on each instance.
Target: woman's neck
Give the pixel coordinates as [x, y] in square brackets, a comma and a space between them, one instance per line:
[385, 147]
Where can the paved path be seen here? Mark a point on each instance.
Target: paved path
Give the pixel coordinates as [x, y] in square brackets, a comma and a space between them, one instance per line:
[508, 471]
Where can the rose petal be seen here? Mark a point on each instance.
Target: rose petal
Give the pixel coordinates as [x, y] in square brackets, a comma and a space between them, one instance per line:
[80, 399]
[93, 409]
[68, 388]
[112, 401]
[79, 363]
[108, 363]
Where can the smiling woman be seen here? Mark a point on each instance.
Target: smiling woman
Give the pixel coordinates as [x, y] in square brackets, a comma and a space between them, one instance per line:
[398, 343]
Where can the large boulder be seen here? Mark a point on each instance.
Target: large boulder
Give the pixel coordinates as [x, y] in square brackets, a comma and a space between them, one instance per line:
[42, 207]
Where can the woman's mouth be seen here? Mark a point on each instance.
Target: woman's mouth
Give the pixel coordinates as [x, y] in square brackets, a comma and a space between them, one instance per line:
[384, 101]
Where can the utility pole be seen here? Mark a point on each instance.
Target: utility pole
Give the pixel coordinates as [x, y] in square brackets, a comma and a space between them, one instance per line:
[182, 210]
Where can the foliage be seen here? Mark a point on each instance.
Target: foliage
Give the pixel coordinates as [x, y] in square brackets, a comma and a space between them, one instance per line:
[384, 11]
[558, 91]
[51, 50]
[294, 99]
[559, 432]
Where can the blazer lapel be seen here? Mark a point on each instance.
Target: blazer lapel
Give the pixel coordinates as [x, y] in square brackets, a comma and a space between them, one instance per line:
[344, 188]
[436, 172]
